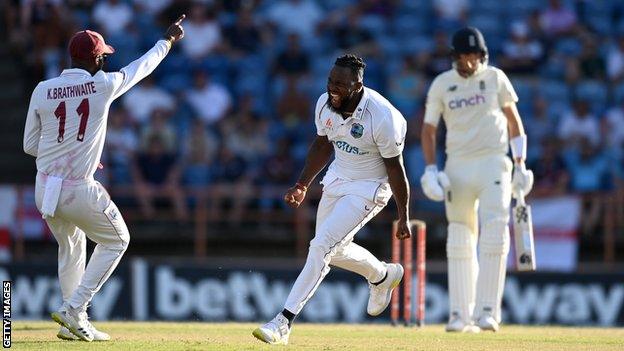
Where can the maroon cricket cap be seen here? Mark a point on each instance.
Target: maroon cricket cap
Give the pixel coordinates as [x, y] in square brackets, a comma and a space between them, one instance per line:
[88, 44]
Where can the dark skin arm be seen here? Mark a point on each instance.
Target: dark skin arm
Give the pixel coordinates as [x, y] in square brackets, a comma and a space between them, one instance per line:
[318, 155]
[400, 188]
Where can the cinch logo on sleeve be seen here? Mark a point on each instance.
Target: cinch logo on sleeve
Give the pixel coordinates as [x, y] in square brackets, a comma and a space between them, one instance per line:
[344, 146]
[477, 99]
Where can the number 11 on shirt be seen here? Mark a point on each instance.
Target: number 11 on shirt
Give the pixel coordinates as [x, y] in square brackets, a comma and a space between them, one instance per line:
[83, 112]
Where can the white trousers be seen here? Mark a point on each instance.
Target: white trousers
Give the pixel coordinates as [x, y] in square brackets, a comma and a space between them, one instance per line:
[84, 210]
[345, 207]
[477, 205]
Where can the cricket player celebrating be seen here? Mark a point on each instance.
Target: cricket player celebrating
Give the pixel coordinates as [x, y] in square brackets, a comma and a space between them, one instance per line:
[367, 135]
[65, 131]
[478, 105]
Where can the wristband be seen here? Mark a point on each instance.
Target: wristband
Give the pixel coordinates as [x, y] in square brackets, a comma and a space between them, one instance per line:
[301, 187]
[431, 168]
[518, 147]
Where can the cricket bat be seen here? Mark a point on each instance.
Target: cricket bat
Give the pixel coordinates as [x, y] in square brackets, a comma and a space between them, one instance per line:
[523, 235]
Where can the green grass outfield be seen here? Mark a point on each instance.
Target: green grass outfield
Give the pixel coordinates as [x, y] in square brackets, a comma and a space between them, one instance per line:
[135, 336]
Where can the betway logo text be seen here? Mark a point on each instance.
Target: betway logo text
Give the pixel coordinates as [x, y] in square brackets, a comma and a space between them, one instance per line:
[477, 99]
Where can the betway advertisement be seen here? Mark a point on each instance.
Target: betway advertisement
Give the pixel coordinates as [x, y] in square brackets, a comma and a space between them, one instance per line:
[144, 290]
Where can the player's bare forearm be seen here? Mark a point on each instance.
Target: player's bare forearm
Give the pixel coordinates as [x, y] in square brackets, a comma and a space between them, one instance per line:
[318, 155]
[428, 142]
[514, 123]
[399, 184]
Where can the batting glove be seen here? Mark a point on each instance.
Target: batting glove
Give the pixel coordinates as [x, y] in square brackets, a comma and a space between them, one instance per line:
[434, 183]
[521, 179]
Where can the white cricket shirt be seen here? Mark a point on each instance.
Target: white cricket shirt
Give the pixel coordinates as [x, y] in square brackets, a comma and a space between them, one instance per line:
[375, 131]
[66, 121]
[472, 110]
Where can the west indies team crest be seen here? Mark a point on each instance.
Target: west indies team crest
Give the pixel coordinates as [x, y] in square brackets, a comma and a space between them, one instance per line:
[357, 130]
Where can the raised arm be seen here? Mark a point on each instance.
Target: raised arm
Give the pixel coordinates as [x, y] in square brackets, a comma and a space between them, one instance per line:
[140, 68]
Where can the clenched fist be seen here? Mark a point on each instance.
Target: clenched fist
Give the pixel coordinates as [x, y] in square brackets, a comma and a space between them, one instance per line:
[295, 195]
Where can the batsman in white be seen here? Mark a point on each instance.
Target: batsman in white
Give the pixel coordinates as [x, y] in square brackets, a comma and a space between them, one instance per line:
[65, 131]
[478, 104]
[366, 134]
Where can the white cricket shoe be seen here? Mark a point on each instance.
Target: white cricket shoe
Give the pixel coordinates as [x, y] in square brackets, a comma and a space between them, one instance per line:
[65, 334]
[457, 325]
[380, 295]
[76, 321]
[487, 322]
[276, 331]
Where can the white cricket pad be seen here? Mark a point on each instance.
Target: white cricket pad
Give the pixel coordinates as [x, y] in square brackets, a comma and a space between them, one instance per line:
[462, 270]
[493, 250]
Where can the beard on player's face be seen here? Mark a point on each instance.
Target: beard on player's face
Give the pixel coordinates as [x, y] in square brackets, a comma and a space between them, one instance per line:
[338, 102]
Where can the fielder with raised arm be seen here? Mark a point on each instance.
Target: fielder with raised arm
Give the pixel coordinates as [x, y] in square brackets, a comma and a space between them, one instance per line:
[478, 105]
[366, 134]
[65, 131]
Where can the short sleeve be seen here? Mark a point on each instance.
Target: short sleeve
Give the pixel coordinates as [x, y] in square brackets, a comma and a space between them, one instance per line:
[434, 106]
[390, 135]
[506, 92]
[320, 105]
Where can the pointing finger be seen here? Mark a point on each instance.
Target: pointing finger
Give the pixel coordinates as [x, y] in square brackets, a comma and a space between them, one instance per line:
[179, 20]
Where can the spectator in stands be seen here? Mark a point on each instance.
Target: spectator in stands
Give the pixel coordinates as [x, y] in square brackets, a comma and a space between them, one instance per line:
[199, 150]
[615, 61]
[579, 123]
[249, 139]
[450, 14]
[42, 26]
[143, 99]
[551, 176]
[557, 20]
[293, 108]
[151, 7]
[245, 37]
[301, 17]
[350, 36]
[202, 32]
[293, 60]
[539, 125]
[277, 173]
[438, 59]
[113, 16]
[156, 174]
[120, 147]
[232, 183]
[613, 129]
[591, 62]
[406, 89]
[159, 126]
[384, 8]
[521, 53]
[589, 175]
[210, 100]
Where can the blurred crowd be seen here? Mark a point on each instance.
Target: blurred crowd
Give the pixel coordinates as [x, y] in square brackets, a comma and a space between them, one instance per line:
[233, 103]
